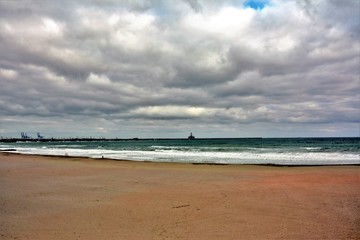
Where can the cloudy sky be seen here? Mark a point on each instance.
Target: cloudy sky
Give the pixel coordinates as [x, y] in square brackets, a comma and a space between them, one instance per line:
[158, 68]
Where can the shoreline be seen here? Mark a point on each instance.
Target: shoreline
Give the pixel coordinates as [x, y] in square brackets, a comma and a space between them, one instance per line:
[52, 197]
[15, 139]
[13, 151]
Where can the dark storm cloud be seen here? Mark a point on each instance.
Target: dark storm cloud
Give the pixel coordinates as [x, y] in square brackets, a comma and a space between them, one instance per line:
[191, 62]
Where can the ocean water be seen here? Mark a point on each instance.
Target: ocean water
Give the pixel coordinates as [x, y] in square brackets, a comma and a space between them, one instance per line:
[279, 151]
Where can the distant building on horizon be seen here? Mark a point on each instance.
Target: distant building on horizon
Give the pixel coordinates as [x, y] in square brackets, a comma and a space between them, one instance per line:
[39, 136]
[24, 135]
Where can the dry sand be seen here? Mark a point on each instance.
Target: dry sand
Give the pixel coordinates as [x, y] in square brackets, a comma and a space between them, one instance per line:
[74, 198]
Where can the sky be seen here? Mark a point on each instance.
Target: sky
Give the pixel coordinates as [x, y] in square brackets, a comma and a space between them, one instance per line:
[149, 69]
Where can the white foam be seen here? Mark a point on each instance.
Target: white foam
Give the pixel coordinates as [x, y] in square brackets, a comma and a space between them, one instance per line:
[172, 155]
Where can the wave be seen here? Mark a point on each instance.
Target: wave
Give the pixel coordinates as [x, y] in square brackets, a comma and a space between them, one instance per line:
[174, 154]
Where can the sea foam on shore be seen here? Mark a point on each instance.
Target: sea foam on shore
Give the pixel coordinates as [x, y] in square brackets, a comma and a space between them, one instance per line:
[221, 151]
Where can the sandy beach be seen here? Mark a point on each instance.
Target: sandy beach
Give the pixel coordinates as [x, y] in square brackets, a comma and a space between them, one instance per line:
[77, 198]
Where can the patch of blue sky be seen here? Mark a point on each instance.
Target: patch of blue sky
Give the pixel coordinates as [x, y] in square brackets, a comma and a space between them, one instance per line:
[256, 4]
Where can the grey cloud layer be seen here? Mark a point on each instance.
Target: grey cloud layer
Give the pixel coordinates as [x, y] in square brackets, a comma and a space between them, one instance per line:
[213, 62]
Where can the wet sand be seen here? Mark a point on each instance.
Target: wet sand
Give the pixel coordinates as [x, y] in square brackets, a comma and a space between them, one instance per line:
[78, 198]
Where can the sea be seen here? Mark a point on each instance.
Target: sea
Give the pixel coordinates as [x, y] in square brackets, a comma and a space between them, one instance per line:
[272, 151]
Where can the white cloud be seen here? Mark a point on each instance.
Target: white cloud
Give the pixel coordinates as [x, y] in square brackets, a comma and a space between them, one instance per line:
[227, 22]
[52, 27]
[8, 73]
[98, 79]
[172, 111]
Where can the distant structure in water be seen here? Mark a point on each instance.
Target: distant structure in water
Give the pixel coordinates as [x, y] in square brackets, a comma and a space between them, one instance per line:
[191, 137]
[24, 135]
[39, 136]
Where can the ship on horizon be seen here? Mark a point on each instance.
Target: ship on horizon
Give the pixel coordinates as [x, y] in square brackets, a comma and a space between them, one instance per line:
[191, 137]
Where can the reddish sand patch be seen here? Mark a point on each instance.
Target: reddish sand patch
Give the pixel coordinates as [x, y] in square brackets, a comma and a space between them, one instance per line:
[73, 198]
